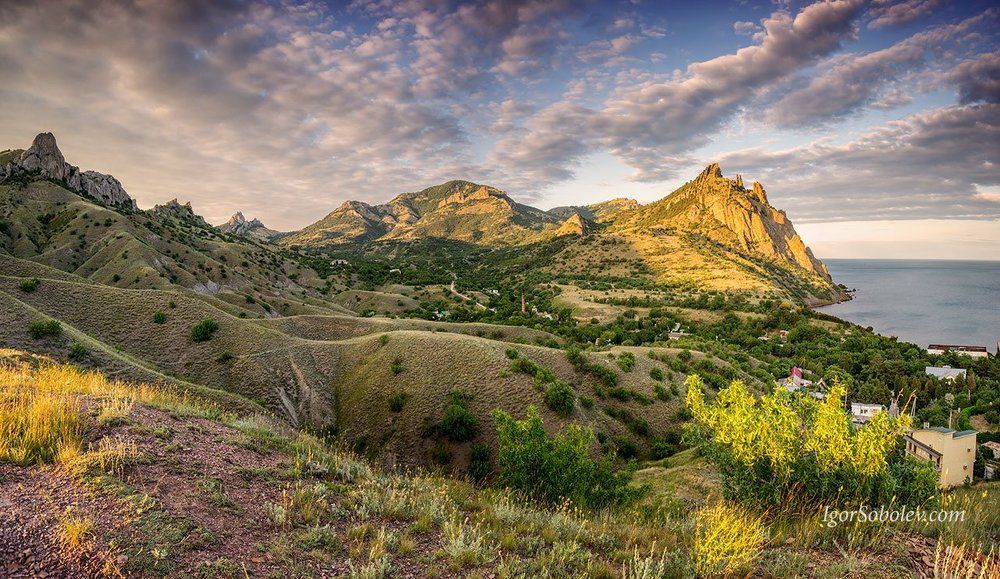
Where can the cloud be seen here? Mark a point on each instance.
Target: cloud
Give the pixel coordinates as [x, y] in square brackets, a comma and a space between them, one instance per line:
[852, 82]
[936, 163]
[978, 79]
[652, 124]
[896, 12]
[746, 28]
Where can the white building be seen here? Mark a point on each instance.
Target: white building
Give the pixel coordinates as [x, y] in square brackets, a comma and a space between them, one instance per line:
[945, 372]
[974, 351]
[862, 413]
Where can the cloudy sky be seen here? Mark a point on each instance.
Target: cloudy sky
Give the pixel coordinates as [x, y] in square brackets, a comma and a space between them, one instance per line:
[875, 124]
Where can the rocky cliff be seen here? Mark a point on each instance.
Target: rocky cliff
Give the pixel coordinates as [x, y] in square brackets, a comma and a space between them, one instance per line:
[253, 228]
[726, 212]
[44, 158]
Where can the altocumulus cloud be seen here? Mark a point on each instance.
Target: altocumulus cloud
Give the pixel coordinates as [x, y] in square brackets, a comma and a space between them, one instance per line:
[934, 164]
[285, 108]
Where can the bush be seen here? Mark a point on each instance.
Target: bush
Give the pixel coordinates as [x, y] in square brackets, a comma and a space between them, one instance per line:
[159, 318]
[204, 330]
[46, 328]
[560, 398]
[512, 353]
[559, 468]
[29, 285]
[397, 401]
[479, 462]
[656, 374]
[784, 449]
[397, 366]
[458, 424]
[225, 357]
[587, 403]
[77, 352]
[626, 361]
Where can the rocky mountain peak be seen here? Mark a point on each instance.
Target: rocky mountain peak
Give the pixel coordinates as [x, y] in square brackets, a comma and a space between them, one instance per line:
[710, 173]
[238, 224]
[44, 158]
[758, 192]
[575, 224]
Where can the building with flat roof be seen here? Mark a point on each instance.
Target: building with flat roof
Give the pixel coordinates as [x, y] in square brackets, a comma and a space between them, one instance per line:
[974, 351]
[861, 413]
[951, 452]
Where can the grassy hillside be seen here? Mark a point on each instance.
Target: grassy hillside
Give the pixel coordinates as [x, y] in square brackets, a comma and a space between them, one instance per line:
[132, 480]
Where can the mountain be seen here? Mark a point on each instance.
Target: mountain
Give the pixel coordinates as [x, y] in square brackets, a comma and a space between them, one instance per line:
[597, 212]
[45, 159]
[710, 234]
[238, 225]
[728, 213]
[457, 210]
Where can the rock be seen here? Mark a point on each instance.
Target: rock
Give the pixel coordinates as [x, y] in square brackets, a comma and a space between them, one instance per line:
[45, 158]
[574, 225]
[106, 189]
[239, 225]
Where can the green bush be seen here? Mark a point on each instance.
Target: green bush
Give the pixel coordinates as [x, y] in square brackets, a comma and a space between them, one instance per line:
[46, 328]
[479, 462]
[587, 403]
[29, 285]
[159, 318]
[626, 361]
[560, 398]
[656, 374]
[458, 424]
[397, 401]
[512, 353]
[204, 330]
[397, 366]
[661, 392]
[559, 468]
[225, 357]
[77, 352]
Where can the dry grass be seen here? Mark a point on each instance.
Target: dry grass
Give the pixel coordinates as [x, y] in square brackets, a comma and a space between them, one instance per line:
[36, 418]
[74, 533]
[728, 540]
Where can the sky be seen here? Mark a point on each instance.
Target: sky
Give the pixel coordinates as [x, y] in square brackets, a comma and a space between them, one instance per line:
[874, 124]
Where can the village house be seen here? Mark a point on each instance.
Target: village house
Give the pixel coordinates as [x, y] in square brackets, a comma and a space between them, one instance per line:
[974, 351]
[945, 372]
[951, 452]
[795, 382]
[862, 413]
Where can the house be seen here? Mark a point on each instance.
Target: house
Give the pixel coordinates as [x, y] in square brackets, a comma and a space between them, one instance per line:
[951, 452]
[796, 382]
[862, 413]
[974, 351]
[945, 372]
[340, 262]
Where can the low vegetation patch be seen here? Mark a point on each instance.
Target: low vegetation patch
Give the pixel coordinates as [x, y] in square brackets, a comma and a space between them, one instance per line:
[204, 330]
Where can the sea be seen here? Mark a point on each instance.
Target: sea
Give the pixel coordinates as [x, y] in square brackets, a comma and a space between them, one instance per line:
[922, 301]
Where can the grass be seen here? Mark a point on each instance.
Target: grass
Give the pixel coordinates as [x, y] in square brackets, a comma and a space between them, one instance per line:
[74, 533]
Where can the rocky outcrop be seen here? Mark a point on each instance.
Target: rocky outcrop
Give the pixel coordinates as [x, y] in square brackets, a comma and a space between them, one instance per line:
[253, 228]
[173, 209]
[44, 158]
[724, 211]
[574, 225]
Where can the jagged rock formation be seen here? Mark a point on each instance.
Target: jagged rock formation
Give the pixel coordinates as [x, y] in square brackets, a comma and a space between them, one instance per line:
[45, 159]
[239, 225]
[185, 213]
[724, 211]
[574, 225]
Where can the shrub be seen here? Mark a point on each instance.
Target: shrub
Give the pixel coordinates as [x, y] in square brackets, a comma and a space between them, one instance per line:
[225, 357]
[727, 540]
[29, 285]
[656, 374]
[587, 403]
[606, 375]
[397, 401]
[159, 318]
[397, 366]
[458, 424]
[661, 392]
[479, 462]
[77, 352]
[783, 448]
[560, 398]
[626, 361]
[512, 353]
[203, 330]
[557, 468]
[47, 328]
